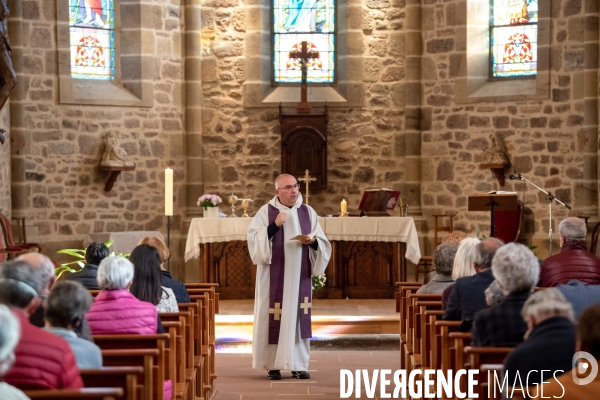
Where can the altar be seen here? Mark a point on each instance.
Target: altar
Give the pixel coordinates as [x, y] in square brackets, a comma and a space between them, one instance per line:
[368, 255]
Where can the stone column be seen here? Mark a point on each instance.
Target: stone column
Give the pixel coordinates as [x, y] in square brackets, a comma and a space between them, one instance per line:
[413, 112]
[193, 106]
[589, 129]
[19, 137]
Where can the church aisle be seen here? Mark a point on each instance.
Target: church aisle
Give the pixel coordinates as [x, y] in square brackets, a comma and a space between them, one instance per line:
[238, 381]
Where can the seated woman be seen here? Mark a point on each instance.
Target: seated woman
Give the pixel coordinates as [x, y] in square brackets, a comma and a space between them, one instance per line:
[117, 311]
[147, 284]
[64, 310]
[181, 293]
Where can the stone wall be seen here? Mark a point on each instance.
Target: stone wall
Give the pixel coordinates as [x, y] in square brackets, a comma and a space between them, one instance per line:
[60, 145]
[409, 131]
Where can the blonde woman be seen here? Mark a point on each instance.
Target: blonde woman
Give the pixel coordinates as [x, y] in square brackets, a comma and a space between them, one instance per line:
[464, 264]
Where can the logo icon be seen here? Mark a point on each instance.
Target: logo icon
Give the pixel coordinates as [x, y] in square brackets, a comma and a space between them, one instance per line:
[580, 367]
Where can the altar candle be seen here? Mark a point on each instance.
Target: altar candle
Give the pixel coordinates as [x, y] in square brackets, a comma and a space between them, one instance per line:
[344, 206]
[168, 191]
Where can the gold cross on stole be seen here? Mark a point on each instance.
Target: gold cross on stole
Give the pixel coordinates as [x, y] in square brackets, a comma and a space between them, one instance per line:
[306, 305]
[276, 311]
[307, 179]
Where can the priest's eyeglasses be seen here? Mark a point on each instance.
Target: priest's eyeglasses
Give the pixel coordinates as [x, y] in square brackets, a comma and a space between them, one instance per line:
[290, 187]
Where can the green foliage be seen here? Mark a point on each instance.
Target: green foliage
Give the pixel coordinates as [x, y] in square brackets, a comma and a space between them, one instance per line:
[318, 281]
[79, 262]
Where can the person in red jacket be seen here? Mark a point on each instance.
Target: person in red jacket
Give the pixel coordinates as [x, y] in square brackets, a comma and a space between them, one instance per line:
[42, 360]
[574, 260]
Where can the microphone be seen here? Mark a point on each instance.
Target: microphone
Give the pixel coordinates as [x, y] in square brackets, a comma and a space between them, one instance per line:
[517, 177]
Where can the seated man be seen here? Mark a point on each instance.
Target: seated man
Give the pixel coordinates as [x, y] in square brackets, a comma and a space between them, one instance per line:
[468, 297]
[44, 267]
[65, 308]
[516, 269]
[588, 340]
[42, 360]
[574, 260]
[580, 295]
[443, 258]
[95, 253]
[454, 237]
[549, 318]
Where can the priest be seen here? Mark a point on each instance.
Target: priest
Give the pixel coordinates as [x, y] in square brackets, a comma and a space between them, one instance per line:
[283, 295]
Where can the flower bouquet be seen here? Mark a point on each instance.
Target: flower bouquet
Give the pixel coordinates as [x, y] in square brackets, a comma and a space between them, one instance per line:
[209, 203]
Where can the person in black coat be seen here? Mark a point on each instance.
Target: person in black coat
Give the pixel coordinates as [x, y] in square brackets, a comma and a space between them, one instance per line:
[178, 287]
[467, 296]
[550, 340]
[516, 269]
[95, 253]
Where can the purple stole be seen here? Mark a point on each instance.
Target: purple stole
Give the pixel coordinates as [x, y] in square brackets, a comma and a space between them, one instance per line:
[277, 269]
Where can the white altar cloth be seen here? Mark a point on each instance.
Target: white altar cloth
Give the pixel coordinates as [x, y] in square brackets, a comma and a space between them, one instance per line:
[372, 229]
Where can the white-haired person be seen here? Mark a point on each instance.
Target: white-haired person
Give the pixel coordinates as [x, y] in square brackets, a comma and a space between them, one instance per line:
[116, 311]
[516, 269]
[574, 260]
[549, 319]
[10, 332]
[443, 259]
[463, 265]
[64, 309]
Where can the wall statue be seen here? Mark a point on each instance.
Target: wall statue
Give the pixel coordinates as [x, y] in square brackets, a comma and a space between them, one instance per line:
[114, 155]
[496, 154]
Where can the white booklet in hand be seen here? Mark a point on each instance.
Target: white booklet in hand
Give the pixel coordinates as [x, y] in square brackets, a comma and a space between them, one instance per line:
[300, 238]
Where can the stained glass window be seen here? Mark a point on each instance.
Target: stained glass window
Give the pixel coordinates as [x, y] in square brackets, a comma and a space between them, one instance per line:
[295, 21]
[91, 24]
[513, 38]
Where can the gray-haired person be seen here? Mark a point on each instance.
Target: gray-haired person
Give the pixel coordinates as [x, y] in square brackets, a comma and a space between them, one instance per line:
[516, 269]
[549, 319]
[443, 259]
[65, 308]
[10, 332]
[574, 260]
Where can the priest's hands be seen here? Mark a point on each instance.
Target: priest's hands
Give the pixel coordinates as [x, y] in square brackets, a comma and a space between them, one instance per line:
[280, 220]
[307, 241]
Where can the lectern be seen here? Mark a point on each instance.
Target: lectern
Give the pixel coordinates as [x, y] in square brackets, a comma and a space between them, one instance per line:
[493, 202]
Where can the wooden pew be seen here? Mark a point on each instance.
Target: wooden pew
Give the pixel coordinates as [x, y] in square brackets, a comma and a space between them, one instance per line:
[183, 322]
[76, 394]
[413, 328]
[130, 342]
[431, 344]
[443, 330]
[195, 363]
[460, 340]
[404, 289]
[421, 338]
[108, 377]
[208, 299]
[94, 292]
[144, 358]
[477, 356]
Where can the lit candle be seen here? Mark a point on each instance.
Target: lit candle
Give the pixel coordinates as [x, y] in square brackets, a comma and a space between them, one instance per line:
[344, 206]
[168, 191]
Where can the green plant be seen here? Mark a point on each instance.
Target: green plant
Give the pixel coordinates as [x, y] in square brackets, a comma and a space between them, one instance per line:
[79, 254]
[318, 281]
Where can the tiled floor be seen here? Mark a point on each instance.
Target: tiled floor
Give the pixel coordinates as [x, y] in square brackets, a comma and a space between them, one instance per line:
[238, 381]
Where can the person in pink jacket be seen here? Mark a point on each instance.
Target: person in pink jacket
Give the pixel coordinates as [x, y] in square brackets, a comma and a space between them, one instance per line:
[117, 311]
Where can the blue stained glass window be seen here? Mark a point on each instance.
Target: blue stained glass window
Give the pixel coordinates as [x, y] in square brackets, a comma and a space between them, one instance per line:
[513, 38]
[295, 21]
[92, 37]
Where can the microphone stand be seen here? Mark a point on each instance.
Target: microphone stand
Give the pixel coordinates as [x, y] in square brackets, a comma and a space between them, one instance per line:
[549, 197]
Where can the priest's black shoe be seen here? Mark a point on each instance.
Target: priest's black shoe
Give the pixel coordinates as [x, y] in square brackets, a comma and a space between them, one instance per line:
[300, 375]
[274, 374]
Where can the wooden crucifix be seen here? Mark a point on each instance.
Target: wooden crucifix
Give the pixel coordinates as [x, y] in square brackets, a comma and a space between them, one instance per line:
[304, 55]
[307, 179]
